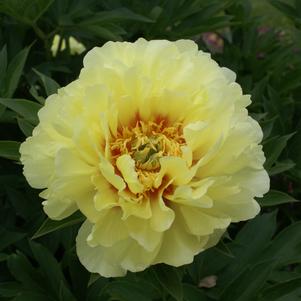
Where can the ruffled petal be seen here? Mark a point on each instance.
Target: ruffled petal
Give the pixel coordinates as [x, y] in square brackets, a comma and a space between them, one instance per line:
[178, 246]
[131, 205]
[58, 209]
[193, 194]
[109, 229]
[109, 174]
[112, 261]
[200, 223]
[174, 168]
[141, 231]
[106, 196]
[126, 166]
[162, 216]
[99, 259]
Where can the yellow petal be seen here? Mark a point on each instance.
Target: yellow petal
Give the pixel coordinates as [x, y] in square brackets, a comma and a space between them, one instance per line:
[85, 203]
[101, 260]
[256, 181]
[199, 223]
[239, 207]
[187, 154]
[37, 155]
[69, 163]
[179, 247]
[126, 166]
[109, 229]
[136, 258]
[192, 133]
[162, 216]
[106, 196]
[214, 238]
[58, 209]
[131, 205]
[112, 261]
[176, 169]
[141, 230]
[108, 172]
[193, 194]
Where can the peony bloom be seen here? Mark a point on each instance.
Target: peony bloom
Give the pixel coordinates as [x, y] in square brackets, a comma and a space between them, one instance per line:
[154, 145]
[75, 46]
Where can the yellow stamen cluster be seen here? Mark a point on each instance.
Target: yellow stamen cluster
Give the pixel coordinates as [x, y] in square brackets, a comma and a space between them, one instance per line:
[146, 143]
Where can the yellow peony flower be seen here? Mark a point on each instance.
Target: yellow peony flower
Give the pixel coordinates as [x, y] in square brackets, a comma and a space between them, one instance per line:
[75, 46]
[154, 145]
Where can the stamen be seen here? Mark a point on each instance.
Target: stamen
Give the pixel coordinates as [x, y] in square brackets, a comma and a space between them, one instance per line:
[146, 143]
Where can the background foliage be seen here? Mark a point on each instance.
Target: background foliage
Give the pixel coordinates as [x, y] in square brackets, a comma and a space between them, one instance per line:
[259, 40]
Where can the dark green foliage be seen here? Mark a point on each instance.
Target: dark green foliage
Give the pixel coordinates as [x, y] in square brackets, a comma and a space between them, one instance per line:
[259, 40]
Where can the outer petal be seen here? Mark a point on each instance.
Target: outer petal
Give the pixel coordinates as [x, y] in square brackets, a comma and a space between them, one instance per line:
[178, 246]
[101, 260]
[200, 223]
[109, 229]
[112, 261]
[141, 230]
[58, 209]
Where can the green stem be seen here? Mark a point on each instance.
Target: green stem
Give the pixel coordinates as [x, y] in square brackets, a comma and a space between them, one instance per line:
[40, 33]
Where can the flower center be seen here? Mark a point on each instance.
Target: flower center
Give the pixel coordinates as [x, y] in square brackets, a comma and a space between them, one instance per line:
[146, 143]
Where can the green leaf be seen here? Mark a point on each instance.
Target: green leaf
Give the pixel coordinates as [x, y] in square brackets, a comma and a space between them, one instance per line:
[223, 248]
[259, 231]
[130, 290]
[192, 293]
[3, 65]
[274, 147]
[119, 14]
[281, 275]
[274, 198]
[10, 150]
[93, 278]
[3, 257]
[32, 296]
[34, 93]
[25, 126]
[96, 288]
[7, 238]
[275, 292]
[50, 85]
[24, 205]
[50, 225]
[285, 248]
[285, 8]
[14, 71]
[26, 11]
[170, 280]
[248, 284]
[9, 289]
[23, 271]
[267, 127]
[282, 166]
[51, 269]
[25, 108]
[101, 32]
